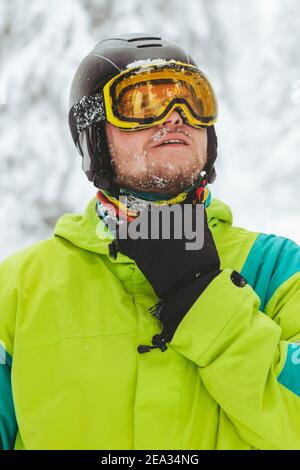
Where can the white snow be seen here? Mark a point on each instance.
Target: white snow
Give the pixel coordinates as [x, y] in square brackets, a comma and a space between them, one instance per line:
[2, 93]
[146, 62]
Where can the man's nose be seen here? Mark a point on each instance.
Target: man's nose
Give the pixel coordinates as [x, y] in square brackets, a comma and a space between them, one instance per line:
[173, 118]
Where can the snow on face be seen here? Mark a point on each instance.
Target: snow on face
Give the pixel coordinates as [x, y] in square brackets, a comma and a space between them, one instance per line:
[141, 164]
[165, 130]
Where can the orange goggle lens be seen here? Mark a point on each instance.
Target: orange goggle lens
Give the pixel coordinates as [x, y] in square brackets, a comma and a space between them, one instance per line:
[146, 96]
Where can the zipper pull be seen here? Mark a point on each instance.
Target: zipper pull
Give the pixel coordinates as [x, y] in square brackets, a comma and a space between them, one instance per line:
[158, 341]
[142, 348]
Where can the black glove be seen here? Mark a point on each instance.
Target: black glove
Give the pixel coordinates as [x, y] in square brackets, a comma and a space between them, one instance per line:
[178, 275]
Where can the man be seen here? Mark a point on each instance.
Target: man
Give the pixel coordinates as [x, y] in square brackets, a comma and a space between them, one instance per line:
[114, 342]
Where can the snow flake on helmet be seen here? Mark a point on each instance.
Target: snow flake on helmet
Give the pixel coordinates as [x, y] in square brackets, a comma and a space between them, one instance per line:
[89, 110]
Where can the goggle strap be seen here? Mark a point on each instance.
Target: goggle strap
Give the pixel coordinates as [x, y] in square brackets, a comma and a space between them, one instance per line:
[89, 110]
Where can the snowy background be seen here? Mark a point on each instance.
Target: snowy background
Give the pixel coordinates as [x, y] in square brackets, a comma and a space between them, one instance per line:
[249, 50]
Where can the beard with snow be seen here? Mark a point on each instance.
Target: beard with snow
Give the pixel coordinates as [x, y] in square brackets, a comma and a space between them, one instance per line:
[164, 173]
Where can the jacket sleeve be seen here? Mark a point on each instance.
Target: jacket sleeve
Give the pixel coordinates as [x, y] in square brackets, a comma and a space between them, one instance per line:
[8, 297]
[249, 362]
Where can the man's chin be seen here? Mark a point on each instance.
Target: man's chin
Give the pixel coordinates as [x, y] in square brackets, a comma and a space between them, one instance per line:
[158, 183]
[157, 186]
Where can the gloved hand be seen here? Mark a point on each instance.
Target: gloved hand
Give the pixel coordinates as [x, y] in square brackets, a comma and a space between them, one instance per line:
[178, 275]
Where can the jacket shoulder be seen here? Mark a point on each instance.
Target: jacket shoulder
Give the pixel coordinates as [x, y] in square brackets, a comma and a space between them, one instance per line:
[42, 252]
[271, 262]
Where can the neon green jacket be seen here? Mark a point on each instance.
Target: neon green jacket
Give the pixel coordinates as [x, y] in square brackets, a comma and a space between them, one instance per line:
[71, 319]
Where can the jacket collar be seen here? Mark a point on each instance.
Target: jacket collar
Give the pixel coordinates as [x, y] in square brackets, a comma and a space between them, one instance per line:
[87, 232]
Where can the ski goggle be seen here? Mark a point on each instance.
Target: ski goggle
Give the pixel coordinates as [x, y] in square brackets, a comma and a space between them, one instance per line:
[144, 96]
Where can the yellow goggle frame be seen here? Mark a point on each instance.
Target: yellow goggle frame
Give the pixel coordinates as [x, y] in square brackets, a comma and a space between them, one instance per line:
[143, 96]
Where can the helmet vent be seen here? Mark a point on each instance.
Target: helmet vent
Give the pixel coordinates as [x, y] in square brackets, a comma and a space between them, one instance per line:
[143, 39]
[149, 45]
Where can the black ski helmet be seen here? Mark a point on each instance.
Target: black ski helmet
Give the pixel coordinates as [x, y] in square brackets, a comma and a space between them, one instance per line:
[108, 58]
